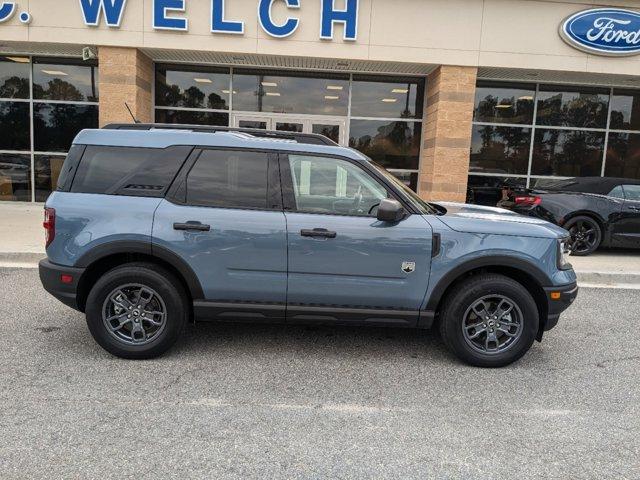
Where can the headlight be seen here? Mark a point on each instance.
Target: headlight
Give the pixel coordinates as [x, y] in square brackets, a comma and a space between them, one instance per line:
[564, 250]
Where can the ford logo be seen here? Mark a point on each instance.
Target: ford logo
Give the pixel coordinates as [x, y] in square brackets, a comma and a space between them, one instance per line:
[603, 31]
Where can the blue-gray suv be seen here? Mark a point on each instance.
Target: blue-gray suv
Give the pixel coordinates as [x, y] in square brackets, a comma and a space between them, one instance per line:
[154, 226]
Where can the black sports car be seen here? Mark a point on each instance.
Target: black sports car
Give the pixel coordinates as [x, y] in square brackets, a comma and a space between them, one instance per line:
[597, 211]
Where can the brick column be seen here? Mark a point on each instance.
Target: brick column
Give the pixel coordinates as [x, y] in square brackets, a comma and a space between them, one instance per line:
[125, 75]
[444, 166]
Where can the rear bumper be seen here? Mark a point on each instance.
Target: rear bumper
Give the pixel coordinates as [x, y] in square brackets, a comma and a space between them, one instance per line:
[51, 278]
[558, 300]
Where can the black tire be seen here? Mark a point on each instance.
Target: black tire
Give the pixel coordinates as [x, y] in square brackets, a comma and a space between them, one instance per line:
[168, 290]
[464, 296]
[586, 235]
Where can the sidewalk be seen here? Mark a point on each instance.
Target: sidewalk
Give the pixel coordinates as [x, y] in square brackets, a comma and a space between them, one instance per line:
[22, 245]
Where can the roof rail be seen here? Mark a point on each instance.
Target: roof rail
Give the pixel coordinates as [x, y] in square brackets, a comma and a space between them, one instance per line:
[309, 138]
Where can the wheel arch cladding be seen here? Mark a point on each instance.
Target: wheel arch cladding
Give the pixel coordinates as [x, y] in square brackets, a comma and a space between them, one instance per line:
[526, 273]
[104, 258]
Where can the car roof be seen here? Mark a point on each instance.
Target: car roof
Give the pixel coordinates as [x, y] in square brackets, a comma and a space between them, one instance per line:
[597, 185]
[163, 138]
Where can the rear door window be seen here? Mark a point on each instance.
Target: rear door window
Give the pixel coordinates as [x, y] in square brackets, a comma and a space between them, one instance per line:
[229, 179]
[146, 172]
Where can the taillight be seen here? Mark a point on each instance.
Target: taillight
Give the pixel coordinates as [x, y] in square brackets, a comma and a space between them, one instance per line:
[530, 200]
[49, 225]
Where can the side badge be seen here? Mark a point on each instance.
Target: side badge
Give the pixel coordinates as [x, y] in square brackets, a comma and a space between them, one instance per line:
[408, 267]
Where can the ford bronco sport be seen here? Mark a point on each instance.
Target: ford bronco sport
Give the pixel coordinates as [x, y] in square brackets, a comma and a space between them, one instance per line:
[154, 226]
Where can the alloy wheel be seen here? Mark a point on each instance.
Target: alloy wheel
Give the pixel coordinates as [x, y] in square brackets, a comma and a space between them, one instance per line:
[492, 324]
[584, 236]
[134, 314]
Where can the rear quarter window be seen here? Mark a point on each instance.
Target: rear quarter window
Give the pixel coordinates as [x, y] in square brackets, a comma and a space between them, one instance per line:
[143, 172]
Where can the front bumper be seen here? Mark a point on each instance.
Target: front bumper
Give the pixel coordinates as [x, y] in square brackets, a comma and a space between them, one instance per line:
[51, 276]
[558, 300]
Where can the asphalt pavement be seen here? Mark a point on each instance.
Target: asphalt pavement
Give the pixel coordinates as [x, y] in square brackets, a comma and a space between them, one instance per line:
[258, 401]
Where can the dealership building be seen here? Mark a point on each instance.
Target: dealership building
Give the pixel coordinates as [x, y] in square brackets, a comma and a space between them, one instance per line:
[455, 97]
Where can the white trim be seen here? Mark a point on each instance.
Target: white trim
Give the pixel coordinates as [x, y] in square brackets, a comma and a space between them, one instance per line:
[289, 5]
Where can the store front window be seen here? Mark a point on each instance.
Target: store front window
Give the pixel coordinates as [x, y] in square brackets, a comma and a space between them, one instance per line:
[44, 103]
[525, 134]
[380, 116]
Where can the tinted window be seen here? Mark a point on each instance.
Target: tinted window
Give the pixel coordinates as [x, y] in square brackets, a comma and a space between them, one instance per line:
[68, 169]
[14, 77]
[623, 155]
[301, 93]
[192, 88]
[14, 126]
[187, 117]
[333, 186]
[128, 171]
[15, 177]
[380, 97]
[632, 192]
[47, 170]
[229, 178]
[500, 149]
[504, 103]
[625, 109]
[394, 145]
[567, 153]
[64, 81]
[55, 125]
[572, 107]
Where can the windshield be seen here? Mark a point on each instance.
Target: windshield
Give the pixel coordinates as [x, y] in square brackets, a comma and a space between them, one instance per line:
[420, 204]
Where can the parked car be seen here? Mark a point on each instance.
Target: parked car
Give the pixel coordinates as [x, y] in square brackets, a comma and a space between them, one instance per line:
[151, 228]
[596, 211]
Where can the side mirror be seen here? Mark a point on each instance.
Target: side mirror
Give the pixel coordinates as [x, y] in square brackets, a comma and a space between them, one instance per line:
[390, 210]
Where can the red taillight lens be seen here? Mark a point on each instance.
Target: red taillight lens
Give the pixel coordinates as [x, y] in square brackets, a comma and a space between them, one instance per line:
[527, 200]
[49, 225]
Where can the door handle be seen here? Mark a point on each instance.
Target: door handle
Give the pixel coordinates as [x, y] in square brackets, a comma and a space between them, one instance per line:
[191, 225]
[318, 232]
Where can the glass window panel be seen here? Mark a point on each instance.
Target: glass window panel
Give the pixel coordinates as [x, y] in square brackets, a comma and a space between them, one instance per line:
[47, 171]
[394, 145]
[617, 192]
[15, 177]
[333, 186]
[632, 192]
[192, 88]
[410, 179]
[289, 127]
[300, 93]
[14, 126]
[14, 77]
[623, 155]
[566, 153]
[504, 103]
[229, 179]
[625, 110]
[53, 80]
[572, 106]
[252, 124]
[485, 190]
[56, 125]
[185, 117]
[500, 149]
[330, 131]
[382, 97]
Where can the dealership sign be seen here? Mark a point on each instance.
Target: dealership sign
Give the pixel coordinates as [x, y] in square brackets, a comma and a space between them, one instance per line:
[170, 15]
[603, 31]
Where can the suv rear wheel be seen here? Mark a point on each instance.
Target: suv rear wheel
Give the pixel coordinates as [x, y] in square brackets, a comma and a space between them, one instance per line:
[489, 320]
[136, 311]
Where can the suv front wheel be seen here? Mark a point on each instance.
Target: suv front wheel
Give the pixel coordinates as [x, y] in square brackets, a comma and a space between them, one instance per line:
[136, 311]
[489, 320]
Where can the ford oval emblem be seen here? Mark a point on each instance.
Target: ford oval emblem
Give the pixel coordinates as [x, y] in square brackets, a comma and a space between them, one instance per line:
[603, 31]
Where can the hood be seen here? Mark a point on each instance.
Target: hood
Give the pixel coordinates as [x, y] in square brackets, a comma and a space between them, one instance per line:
[491, 220]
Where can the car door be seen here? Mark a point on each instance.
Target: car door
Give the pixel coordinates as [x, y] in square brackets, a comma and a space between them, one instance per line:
[627, 226]
[344, 264]
[224, 218]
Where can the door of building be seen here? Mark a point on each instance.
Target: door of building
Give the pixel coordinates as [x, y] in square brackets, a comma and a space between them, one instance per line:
[331, 127]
